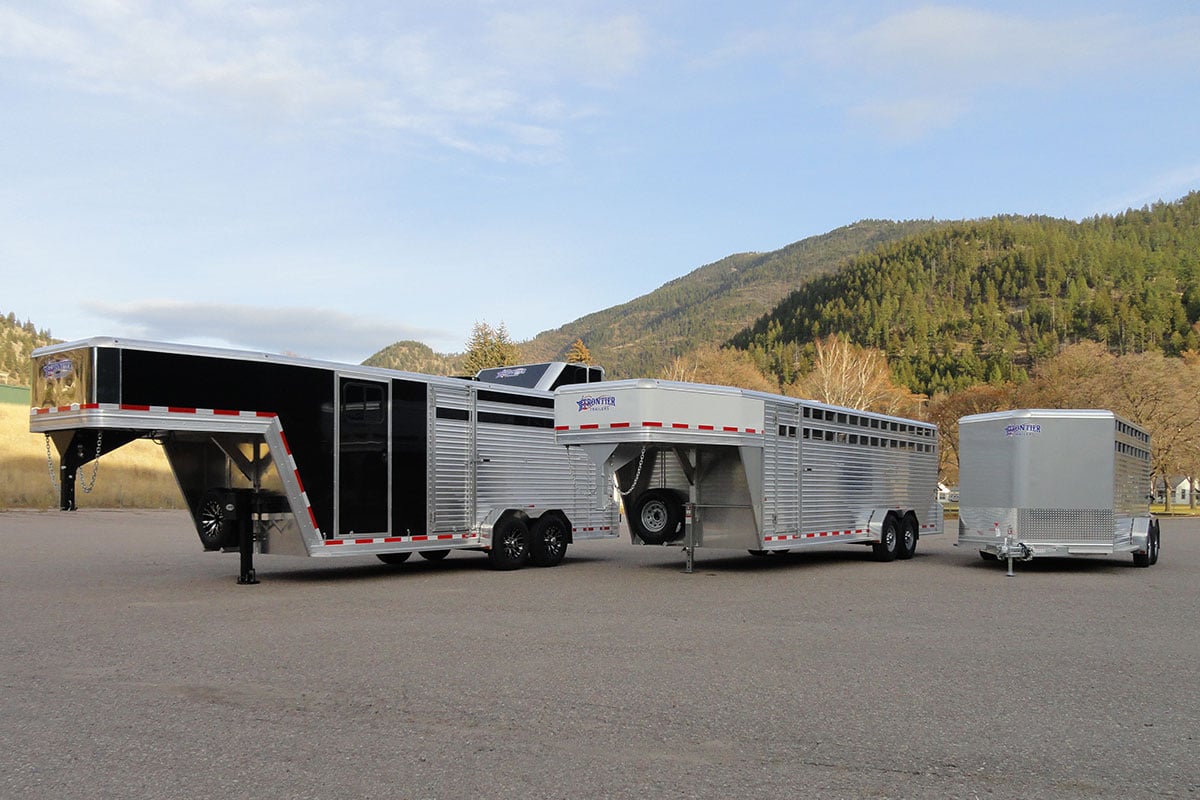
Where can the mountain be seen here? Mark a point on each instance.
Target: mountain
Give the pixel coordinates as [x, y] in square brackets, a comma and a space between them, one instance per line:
[17, 340]
[974, 301]
[415, 357]
[709, 304]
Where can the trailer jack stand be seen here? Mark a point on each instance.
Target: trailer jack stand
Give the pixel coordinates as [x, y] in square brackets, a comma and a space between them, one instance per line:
[246, 546]
[689, 539]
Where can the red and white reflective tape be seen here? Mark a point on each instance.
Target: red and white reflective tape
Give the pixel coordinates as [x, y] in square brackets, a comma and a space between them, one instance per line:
[214, 412]
[291, 463]
[679, 426]
[592, 530]
[200, 412]
[789, 537]
[404, 539]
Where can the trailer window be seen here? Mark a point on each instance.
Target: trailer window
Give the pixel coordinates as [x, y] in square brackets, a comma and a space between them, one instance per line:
[362, 402]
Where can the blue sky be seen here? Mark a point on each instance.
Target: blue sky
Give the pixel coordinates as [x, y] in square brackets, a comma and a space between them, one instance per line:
[326, 178]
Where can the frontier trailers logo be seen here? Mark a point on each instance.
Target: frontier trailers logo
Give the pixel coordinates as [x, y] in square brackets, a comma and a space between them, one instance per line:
[1024, 429]
[602, 403]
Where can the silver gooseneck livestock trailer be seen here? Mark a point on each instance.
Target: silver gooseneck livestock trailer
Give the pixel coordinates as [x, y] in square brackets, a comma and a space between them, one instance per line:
[713, 466]
[281, 455]
[1055, 482]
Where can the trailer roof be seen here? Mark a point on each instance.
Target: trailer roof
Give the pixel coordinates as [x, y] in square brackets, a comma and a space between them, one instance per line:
[1030, 413]
[652, 383]
[258, 355]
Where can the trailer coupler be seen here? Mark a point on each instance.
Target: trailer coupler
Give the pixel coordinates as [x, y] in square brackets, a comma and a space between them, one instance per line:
[1014, 551]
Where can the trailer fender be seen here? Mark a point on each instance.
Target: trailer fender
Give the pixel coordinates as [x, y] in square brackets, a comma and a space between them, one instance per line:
[1146, 541]
[508, 542]
[886, 531]
[1140, 534]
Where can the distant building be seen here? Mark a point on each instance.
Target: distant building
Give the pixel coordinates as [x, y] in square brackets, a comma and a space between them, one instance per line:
[1182, 489]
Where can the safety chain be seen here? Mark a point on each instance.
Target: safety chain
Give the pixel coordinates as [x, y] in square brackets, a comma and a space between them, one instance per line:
[50, 465]
[638, 474]
[88, 484]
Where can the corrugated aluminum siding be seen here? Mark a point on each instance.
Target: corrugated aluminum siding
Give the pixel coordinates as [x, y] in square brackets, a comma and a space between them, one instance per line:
[781, 469]
[451, 460]
[519, 458]
[853, 462]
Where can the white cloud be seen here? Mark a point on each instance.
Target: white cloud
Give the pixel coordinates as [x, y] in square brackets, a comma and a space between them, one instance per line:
[311, 332]
[924, 68]
[1166, 187]
[545, 43]
[501, 86]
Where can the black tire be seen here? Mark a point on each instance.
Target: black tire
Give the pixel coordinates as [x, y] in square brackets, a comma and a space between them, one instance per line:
[1150, 557]
[657, 516]
[393, 558]
[510, 544]
[889, 546]
[215, 522]
[548, 540]
[909, 533]
[434, 555]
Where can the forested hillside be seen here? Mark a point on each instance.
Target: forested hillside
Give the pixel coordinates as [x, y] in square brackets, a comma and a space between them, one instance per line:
[967, 302]
[17, 340]
[709, 304]
[415, 357]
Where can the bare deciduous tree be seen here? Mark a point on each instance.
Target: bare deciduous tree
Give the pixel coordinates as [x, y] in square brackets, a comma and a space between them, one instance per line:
[945, 409]
[578, 353]
[844, 374]
[719, 366]
[1155, 392]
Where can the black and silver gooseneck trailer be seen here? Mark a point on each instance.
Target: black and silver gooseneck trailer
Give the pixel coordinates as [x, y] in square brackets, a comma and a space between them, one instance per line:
[283, 455]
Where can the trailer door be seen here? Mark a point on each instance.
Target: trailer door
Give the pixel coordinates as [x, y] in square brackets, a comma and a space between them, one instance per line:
[363, 483]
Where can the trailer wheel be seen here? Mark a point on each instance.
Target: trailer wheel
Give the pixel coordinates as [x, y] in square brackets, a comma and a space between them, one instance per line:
[393, 558]
[1150, 557]
[908, 537]
[657, 516]
[434, 555]
[889, 544]
[548, 540]
[214, 520]
[510, 544]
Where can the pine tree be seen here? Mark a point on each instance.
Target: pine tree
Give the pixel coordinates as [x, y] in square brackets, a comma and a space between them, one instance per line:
[489, 347]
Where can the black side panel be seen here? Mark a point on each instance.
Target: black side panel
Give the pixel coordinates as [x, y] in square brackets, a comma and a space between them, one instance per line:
[303, 397]
[108, 375]
[363, 458]
[410, 446]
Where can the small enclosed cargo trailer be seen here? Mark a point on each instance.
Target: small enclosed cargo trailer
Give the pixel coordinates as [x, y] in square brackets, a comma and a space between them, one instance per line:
[1055, 482]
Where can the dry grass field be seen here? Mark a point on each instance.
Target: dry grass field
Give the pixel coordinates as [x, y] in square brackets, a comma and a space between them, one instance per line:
[135, 476]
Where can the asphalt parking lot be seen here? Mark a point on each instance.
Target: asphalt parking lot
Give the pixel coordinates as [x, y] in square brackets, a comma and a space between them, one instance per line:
[134, 666]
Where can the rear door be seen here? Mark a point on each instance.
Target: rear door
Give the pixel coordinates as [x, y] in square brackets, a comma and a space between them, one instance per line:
[363, 468]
